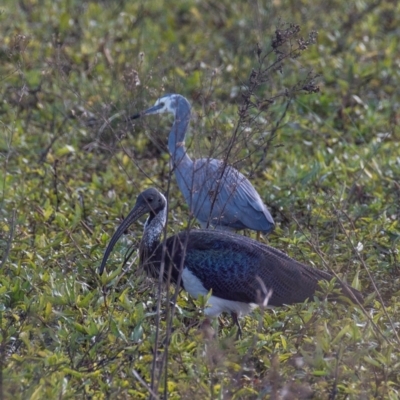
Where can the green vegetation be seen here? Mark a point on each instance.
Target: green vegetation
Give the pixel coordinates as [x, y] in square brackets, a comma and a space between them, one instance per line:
[327, 164]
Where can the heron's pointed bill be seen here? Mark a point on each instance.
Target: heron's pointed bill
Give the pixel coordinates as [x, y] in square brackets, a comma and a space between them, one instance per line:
[151, 110]
[135, 214]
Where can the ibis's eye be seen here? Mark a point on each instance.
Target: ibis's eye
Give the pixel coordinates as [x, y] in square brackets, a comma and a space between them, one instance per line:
[162, 104]
[149, 199]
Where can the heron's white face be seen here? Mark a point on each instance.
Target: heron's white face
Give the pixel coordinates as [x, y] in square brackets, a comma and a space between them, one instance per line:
[166, 104]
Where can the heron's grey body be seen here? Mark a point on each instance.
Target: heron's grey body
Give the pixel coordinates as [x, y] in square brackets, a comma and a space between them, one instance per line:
[240, 272]
[217, 194]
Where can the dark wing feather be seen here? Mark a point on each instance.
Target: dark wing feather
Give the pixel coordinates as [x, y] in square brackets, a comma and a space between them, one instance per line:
[230, 264]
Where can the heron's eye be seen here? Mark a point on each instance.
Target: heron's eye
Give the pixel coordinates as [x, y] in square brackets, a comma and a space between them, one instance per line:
[162, 104]
[150, 199]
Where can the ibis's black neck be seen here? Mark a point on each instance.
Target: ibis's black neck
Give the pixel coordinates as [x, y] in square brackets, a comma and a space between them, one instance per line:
[152, 231]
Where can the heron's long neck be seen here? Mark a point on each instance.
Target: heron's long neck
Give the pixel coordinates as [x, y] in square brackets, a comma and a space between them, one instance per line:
[182, 163]
[176, 139]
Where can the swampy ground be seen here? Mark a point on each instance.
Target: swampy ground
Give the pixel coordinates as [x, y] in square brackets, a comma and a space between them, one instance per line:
[302, 97]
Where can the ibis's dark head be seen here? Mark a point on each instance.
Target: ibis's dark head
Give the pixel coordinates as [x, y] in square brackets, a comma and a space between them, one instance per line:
[152, 202]
[165, 104]
[149, 201]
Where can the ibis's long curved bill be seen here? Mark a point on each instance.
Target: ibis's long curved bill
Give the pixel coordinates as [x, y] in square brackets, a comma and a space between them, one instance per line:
[151, 110]
[135, 214]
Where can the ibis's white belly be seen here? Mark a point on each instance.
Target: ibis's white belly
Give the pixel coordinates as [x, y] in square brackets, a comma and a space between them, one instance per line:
[215, 305]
